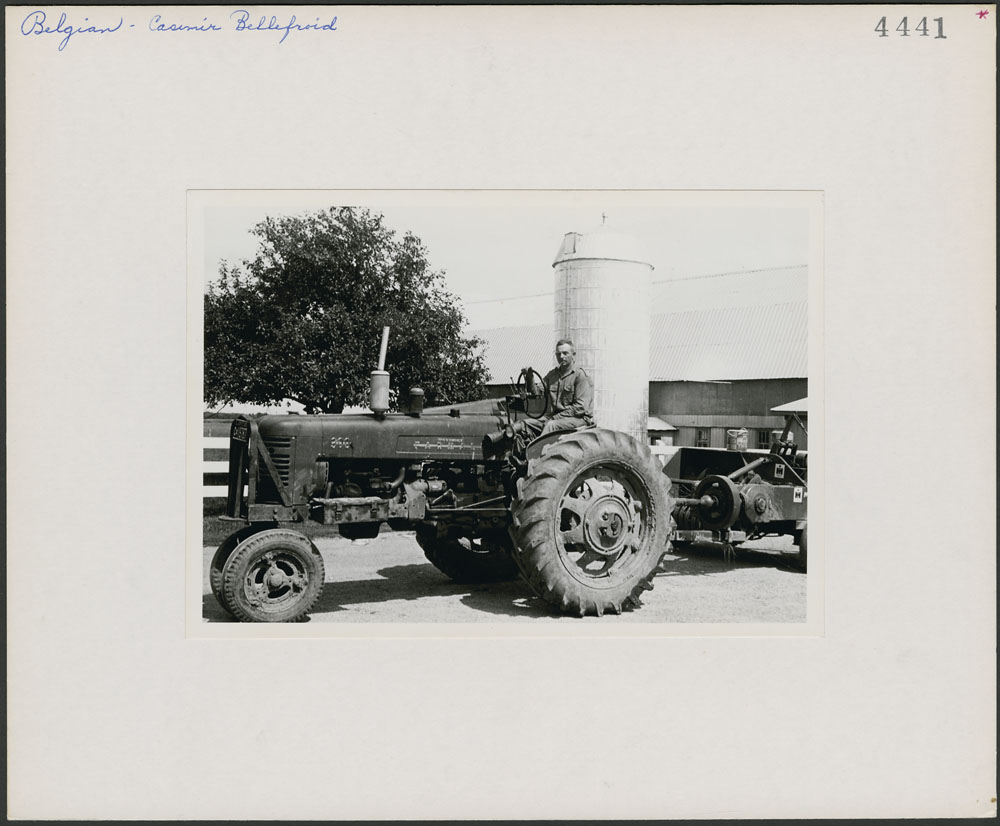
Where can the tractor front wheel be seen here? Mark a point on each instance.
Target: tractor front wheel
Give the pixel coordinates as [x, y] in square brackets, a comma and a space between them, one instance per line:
[222, 554]
[591, 522]
[273, 576]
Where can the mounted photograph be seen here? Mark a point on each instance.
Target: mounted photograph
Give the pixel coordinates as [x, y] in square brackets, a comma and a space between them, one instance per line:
[509, 407]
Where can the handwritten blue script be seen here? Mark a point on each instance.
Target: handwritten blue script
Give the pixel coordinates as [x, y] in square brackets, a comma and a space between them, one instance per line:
[40, 23]
[272, 24]
[35, 23]
[158, 24]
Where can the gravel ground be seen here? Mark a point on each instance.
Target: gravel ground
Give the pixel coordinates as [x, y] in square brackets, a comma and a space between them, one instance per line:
[388, 579]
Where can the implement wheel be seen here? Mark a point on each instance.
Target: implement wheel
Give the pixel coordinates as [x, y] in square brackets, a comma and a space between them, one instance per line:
[725, 507]
[591, 522]
[273, 576]
[470, 561]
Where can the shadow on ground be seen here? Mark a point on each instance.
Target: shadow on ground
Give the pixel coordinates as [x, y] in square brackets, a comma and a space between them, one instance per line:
[398, 582]
[411, 582]
[701, 560]
[512, 599]
[423, 580]
[211, 611]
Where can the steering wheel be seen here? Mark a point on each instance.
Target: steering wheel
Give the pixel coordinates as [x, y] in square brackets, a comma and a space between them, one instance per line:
[521, 388]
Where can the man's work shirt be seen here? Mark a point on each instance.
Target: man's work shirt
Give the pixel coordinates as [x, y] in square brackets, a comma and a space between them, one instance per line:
[570, 395]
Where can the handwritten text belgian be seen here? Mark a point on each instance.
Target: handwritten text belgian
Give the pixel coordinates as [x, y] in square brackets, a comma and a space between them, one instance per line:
[63, 28]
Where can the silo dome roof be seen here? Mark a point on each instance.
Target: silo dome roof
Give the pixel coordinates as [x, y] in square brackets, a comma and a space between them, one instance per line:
[601, 244]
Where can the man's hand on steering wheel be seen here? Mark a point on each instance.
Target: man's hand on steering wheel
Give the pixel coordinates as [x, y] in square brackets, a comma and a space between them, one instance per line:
[527, 389]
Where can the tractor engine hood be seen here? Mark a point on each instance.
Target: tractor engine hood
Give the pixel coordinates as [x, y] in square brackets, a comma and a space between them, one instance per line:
[395, 436]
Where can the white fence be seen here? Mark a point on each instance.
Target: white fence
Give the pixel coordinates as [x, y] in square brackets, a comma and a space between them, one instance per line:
[214, 469]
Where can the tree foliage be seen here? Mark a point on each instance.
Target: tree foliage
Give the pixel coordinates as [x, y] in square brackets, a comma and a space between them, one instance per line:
[303, 319]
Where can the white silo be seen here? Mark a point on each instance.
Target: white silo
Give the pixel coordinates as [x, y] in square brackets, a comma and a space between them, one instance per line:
[602, 302]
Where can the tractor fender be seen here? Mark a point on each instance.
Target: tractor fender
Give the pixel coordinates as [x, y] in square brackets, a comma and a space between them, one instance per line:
[534, 450]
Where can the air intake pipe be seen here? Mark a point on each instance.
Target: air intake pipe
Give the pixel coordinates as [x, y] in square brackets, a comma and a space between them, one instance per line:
[378, 395]
[416, 401]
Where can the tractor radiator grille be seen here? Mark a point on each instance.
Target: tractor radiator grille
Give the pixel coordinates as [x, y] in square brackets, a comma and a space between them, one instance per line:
[280, 448]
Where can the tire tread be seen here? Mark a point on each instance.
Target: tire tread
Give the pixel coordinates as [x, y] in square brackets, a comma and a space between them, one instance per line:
[531, 528]
[233, 575]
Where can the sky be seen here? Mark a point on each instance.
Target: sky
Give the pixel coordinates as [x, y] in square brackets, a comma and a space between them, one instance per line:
[497, 249]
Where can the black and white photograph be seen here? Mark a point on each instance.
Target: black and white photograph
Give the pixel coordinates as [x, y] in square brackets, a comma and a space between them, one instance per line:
[523, 406]
[434, 412]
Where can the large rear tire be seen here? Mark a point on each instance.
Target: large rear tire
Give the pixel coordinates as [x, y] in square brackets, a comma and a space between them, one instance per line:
[470, 561]
[273, 576]
[591, 522]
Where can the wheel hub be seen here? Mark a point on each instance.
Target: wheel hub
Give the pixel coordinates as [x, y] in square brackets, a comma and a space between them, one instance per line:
[606, 525]
[724, 509]
[275, 578]
[600, 523]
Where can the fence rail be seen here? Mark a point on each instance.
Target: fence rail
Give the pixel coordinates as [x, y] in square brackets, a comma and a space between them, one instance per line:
[214, 466]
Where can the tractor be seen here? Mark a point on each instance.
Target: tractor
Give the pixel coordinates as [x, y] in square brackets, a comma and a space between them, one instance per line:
[583, 516]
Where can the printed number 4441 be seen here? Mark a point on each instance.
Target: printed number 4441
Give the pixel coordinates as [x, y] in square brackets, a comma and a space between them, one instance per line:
[904, 29]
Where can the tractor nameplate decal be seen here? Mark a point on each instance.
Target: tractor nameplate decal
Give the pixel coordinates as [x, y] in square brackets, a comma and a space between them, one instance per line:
[779, 471]
[797, 494]
[438, 445]
[340, 443]
[241, 431]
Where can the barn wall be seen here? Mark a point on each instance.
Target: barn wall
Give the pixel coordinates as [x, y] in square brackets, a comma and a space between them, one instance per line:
[753, 397]
[702, 412]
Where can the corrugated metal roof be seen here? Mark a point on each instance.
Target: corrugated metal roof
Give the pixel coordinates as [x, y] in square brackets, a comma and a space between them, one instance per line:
[781, 285]
[725, 327]
[797, 406]
[699, 345]
[731, 343]
[508, 349]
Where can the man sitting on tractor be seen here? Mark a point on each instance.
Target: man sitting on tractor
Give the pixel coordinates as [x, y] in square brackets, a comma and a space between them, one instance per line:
[570, 403]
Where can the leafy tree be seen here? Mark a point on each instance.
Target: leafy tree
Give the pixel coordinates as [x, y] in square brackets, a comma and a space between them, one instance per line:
[303, 319]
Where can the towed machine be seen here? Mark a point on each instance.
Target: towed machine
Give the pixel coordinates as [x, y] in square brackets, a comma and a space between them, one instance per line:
[584, 516]
[725, 497]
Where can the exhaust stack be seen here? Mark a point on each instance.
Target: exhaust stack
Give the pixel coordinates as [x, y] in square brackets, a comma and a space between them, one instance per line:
[378, 394]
